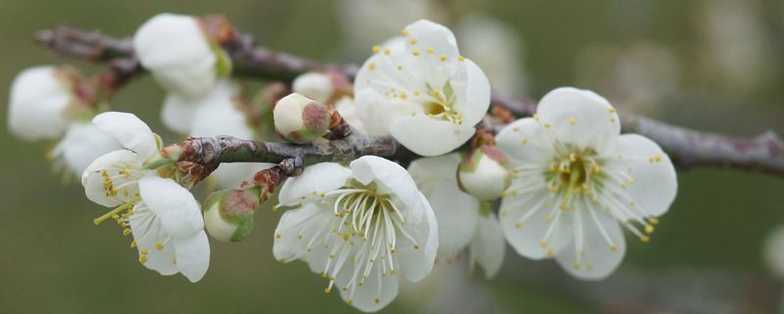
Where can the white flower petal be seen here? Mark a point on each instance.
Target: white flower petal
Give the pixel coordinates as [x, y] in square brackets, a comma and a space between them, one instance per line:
[348, 110]
[579, 117]
[433, 171]
[103, 182]
[178, 211]
[488, 246]
[525, 142]
[295, 229]
[83, 143]
[193, 255]
[315, 179]
[153, 243]
[477, 94]
[377, 292]
[457, 214]
[129, 131]
[377, 112]
[655, 182]
[390, 177]
[416, 261]
[177, 53]
[427, 34]
[598, 260]
[178, 112]
[525, 231]
[38, 103]
[430, 137]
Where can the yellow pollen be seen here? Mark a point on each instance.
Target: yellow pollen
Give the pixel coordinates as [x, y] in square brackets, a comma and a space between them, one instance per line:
[376, 49]
[372, 66]
[653, 220]
[645, 239]
[443, 58]
[133, 244]
[404, 32]
[460, 58]
[126, 231]
[413, 41]
[430, 50]
[158, 246]
[143, 259]
[649, 229]
[387, 51]
[613, 248]
[415, 52]
[277, 236]
[543, 243]
[572, 120]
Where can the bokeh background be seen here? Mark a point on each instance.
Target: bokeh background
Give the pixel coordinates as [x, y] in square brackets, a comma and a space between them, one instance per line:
[716, 65]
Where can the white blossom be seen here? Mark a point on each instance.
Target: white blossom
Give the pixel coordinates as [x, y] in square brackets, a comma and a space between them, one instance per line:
[577, 182]
[167, 228]
[419, 89]
[217, 115]
[462, 221]
[483, 174]
[112, 179]
[82, 143]
[314, 85]
[362, 227]
[40, 97]
[176, 51]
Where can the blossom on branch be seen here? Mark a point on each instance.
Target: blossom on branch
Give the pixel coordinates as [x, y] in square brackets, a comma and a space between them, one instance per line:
[178, 53]
[41, 98]
[419, 89]
[463, 220]
[576, 182]
[81, 145]
[361, 227]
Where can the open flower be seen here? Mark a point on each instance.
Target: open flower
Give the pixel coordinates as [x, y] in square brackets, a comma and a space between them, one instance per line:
[360, 227]
[577, 181]
[112, 179]
[419, 89]
[462, 220]
[167, 228]
[81, 145]
[175, 49]
[40, 98]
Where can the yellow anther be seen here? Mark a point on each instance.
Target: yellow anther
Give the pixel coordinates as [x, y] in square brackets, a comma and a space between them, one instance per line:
[142, 259]
[613, 248]
[519, 226]
[372, 66]
[145, 251]
[133, 244]
[573, 157]
[277, 236]
[524, 141]
[460, 58]
[443, 58]
[376, 49]
[126, 231]
[415, 52]
[158, 246]
[653, 220]
[645, 239]
[543, 243]
[547, 125]
[387, 51]
[430, 50]
[550, 252]
[572, 120]
[413, 41]
[611, 110]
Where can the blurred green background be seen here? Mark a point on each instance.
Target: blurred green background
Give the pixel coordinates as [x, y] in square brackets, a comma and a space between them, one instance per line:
[663, 58]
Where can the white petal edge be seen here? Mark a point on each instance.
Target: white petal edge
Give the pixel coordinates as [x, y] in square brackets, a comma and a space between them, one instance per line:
[193, 255]
[579, 117]
[488, 246]
[390, 177]
[526, 143]
[93, 181]
[430, 137]
[655, 181]
[598, 260]
[128, 130]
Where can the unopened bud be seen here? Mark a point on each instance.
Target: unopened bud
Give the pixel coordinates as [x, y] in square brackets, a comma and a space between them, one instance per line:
[317, 86]
[41, 98]
[482, 173]
[229, 214]
[300, 119]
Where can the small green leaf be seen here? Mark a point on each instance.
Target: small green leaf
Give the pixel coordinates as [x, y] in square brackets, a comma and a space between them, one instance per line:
[223, 65]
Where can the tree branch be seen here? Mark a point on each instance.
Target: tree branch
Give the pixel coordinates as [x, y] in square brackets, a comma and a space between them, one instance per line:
[688, 148]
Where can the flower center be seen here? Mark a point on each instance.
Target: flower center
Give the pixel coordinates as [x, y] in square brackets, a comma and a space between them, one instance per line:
[441, 104]
[371, 216]
[574, 173]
